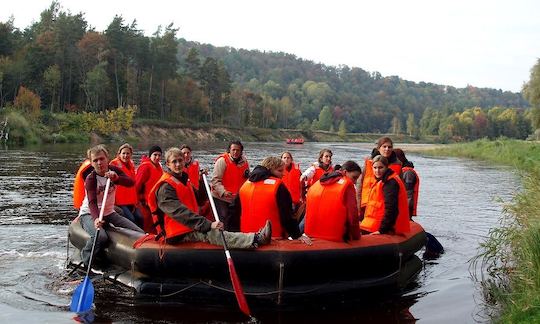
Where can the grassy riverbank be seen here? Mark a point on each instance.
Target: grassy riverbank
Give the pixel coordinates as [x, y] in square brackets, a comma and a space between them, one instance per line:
[511, 254]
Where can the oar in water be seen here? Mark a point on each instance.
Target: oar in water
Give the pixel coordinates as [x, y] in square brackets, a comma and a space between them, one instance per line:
[237, 286]
[83, 297]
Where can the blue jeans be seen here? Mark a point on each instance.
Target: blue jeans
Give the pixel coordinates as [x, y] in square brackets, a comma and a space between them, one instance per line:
[133, 213]
[87, 223]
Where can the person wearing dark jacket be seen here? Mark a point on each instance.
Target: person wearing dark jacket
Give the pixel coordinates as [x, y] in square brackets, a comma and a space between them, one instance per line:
[387, 209]
[331, 207]
[411, 180]
[173, 203]
[95, 185]
[265, 196]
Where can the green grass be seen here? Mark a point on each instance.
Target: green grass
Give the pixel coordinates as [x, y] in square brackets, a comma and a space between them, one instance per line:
[511, 254]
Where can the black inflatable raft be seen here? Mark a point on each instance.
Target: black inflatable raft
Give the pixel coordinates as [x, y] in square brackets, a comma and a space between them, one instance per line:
[280, 273]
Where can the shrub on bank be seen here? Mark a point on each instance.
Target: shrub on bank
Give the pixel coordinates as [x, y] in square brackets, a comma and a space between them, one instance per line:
[20, 130]
[511, 253]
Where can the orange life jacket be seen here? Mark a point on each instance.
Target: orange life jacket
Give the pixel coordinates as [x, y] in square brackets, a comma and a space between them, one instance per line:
[233, 177]
[155, 175]
[416, 188]
[369, 179]
[167, 226]
[326, 214]
[376, 206]
[291, 180]
[125, 195]
[318, 174]
[258, 201]
[193, 173]
[78, 184]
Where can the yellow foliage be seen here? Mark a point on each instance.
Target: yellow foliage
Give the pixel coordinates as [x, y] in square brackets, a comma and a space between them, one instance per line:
[110, 121]
[28, 102]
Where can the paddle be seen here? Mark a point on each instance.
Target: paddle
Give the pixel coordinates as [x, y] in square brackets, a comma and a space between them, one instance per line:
[83, 296]
[237, 286]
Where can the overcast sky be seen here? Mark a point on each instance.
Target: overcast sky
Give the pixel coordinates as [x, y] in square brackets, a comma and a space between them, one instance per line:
[484, 43]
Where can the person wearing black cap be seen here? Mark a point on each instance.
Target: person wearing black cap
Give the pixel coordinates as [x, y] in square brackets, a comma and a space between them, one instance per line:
[148, 173]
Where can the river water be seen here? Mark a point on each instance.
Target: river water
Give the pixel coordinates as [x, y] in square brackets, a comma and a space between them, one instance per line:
[459, 203]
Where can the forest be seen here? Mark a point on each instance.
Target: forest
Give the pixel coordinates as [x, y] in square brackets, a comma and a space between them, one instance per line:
[65, 76]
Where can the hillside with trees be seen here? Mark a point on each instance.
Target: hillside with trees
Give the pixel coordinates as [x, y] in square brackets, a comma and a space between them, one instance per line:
[63, 75]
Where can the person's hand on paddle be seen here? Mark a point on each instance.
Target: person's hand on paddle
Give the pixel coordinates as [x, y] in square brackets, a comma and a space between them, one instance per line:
[218, 225]
[98, 223]
[111, 175]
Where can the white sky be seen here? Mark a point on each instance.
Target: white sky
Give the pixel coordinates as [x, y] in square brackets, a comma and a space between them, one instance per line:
[484, 43]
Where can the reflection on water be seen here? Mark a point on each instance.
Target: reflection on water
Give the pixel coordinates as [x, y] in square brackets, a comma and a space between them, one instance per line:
[457, 204]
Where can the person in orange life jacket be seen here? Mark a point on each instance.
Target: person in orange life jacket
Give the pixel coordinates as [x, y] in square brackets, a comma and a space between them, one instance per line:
[331, 207]
[411, 180]
[384, 147]
[194, 172]
[291, 178]
[148, 173]
[231, 170]
[264, 196]
[172, 197]
[126, 197]
[387, 210]
[78, 183]
[93, 201]
[315, 171]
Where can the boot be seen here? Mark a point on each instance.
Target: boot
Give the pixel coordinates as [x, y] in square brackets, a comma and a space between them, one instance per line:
[264, 235]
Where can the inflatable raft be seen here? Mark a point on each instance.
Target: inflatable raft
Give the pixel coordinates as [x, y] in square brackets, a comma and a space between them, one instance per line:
[283, 272]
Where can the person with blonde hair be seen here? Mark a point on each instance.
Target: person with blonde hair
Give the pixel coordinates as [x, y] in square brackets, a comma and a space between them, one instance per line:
[264, 196]
[331, 207]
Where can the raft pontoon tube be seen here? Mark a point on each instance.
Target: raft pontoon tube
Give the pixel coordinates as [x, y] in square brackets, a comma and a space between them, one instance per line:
[283, 272]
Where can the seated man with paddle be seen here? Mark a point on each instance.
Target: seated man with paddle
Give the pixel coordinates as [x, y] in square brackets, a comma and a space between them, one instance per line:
[94, 201]
[175, 211]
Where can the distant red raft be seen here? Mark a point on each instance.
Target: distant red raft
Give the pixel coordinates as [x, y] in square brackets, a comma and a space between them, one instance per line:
[295, 140]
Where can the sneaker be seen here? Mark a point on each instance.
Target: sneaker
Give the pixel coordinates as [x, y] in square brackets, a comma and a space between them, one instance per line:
[264, 235]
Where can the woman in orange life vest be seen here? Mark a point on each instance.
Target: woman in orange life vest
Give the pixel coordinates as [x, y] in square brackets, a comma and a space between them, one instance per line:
[173, 203]
[126, 197]
[291, 178]
[387, 210]
[384, 147]
[315, 171]
[331, 207]
[411, 180]
[148, 173]
[231, 170]
[264, 196]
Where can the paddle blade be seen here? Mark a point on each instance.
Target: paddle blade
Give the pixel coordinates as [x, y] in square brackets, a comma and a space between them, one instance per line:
[83, 297]
[238, 291]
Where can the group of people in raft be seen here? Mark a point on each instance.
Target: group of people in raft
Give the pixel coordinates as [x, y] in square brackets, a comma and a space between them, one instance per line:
[275, 200]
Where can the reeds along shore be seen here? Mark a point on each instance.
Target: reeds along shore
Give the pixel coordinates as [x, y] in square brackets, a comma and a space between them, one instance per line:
[510, 256]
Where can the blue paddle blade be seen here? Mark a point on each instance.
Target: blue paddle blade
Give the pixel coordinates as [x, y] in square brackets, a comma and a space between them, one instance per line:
[83, 297]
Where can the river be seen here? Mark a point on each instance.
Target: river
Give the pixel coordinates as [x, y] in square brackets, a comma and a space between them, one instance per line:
[459, 203]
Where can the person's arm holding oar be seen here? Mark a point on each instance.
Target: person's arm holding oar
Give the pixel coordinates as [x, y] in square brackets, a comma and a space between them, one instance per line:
[83, 297]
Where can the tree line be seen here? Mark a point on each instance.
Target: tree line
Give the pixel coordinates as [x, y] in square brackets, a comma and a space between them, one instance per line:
[72, 68]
